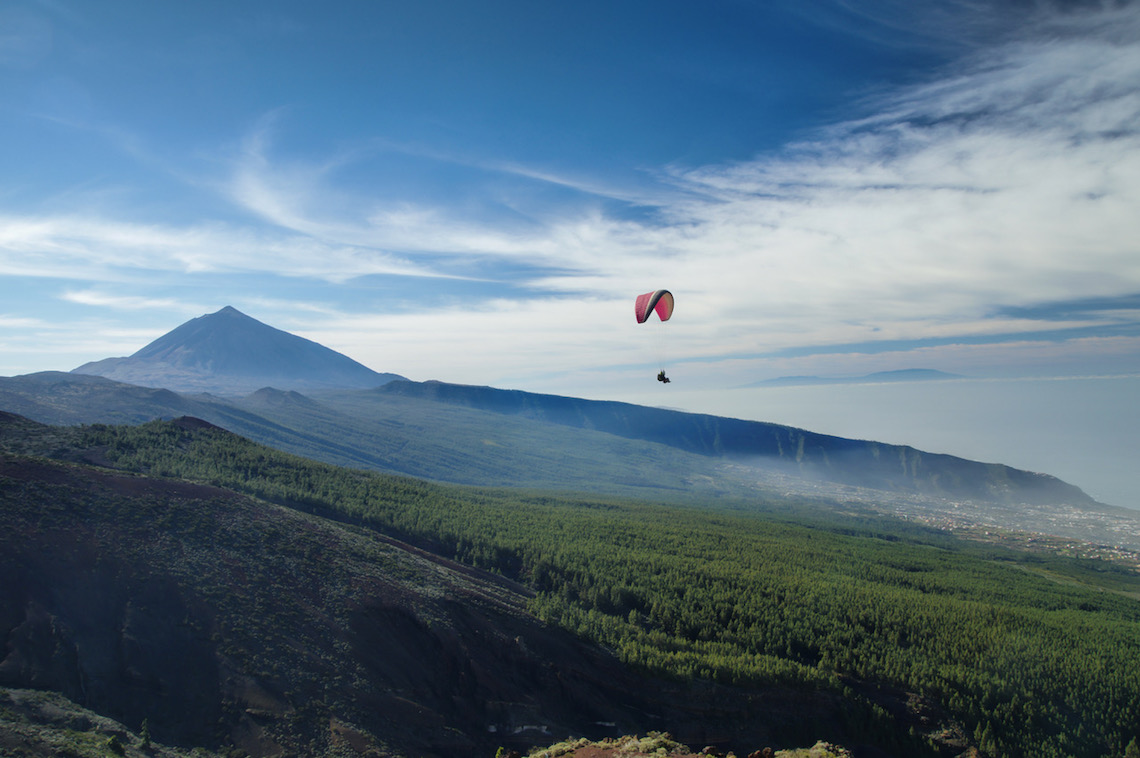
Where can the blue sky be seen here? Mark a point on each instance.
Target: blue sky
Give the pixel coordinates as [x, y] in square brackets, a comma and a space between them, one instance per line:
[476, 192]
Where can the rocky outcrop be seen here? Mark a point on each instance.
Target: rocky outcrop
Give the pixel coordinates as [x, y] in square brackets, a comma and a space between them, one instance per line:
[39, 723]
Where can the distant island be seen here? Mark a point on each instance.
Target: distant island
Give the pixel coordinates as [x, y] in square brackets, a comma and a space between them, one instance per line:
[902, 375]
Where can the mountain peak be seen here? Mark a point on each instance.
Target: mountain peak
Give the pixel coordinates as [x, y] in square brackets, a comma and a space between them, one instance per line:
[230, 312]
[228, 352]
[227, 313]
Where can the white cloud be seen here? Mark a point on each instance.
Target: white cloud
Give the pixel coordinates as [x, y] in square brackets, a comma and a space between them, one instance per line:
[88, 247]
[18, 322]
[482, 342]
[30, 345]
[120, 302]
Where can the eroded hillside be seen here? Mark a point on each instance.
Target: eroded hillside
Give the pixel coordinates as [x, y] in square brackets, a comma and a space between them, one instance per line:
[314, 607]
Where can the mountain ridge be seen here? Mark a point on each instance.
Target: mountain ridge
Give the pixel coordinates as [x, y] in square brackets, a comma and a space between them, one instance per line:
[839, 459]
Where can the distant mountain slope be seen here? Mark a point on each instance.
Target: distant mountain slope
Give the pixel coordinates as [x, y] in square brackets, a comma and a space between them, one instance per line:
[228, 352]
[836, 459]
[389, 433]
[487, 436]
[444, 433]
[56, 397]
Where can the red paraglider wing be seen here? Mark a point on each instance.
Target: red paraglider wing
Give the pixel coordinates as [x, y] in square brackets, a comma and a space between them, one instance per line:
[660, 301]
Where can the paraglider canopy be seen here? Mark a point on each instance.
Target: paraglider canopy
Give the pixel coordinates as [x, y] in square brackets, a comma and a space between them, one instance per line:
[660, 301]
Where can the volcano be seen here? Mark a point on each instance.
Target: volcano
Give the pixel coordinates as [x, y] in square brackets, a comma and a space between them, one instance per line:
[229, 353]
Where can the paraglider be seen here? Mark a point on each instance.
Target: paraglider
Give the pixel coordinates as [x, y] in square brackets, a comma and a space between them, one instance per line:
[659, 302]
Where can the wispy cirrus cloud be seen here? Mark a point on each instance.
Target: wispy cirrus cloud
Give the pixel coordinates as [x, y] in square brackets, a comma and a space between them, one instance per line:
[305, 198]
[98, 248]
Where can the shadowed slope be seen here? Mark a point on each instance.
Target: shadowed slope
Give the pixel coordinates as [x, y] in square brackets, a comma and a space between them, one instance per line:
[225, 620]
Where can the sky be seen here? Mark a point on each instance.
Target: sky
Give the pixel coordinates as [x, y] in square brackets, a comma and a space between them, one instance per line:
[476, 192]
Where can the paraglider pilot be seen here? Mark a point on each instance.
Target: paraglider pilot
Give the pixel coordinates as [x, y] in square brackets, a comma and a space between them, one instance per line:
[659, 302]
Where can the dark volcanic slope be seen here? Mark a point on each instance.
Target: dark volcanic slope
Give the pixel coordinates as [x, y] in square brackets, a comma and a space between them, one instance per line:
[221, 619]
[229, 352]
